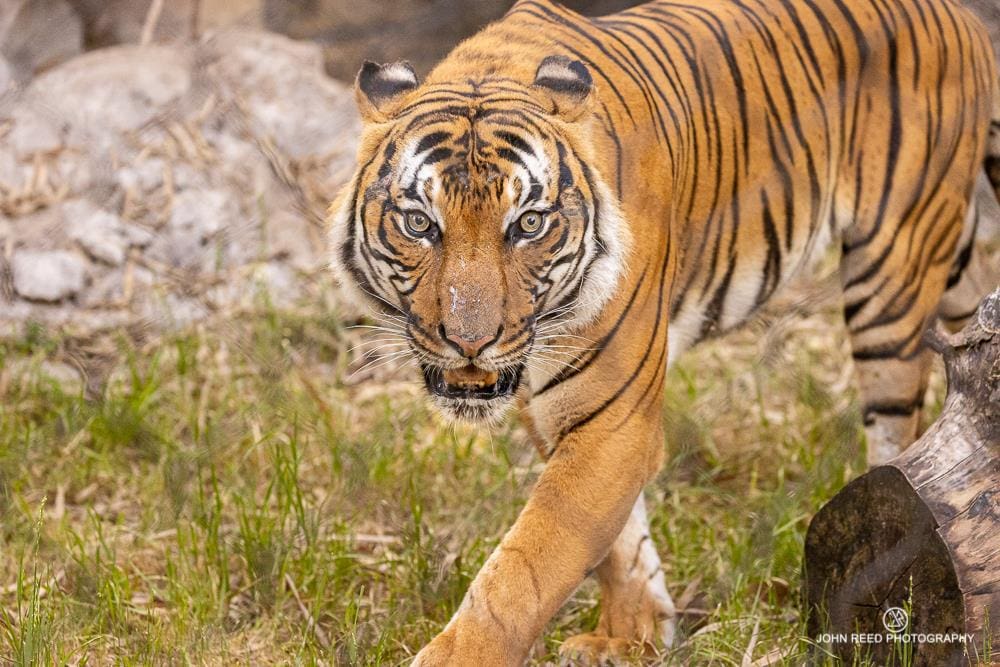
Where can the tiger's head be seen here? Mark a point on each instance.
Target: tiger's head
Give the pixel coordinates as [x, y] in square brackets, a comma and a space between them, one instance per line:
[477, 225]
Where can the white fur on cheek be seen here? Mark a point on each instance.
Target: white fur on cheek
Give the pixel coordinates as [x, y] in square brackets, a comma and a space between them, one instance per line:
[338, 223]
[607, 271]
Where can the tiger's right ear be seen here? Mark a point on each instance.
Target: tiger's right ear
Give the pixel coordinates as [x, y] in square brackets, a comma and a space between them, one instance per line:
[567, 83]
[379, 89]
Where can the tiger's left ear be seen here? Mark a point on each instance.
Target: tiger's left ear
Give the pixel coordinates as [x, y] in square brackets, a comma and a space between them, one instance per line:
[379, 89]
[567, 83]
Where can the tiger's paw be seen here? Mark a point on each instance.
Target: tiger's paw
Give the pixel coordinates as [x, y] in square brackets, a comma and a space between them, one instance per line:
[593, 648]
[600, 648]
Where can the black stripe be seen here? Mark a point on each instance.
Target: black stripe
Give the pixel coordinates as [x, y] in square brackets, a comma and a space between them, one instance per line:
[568, 373]
[891, 408]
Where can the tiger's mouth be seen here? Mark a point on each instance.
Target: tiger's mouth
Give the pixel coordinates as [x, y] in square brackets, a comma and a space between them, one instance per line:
[472, 394]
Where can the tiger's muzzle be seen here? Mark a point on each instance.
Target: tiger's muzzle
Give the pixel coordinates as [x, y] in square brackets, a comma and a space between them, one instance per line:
[473, 394]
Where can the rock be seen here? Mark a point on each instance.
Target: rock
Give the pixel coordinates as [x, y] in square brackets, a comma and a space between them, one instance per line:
[107, 289]
[170, 154]
[92, 99]
[277, 284]
[10, 170]
[49, 276]
[40, 230]
[256, 173]
[171, 312]
[99, 232]
[138, 237]
[38, 34]
[62, 374]
[200, 213]
[282, 84]
[287, 237]
[142, 177]
[989, 210]
[197, 218]
[79, 172]
[33, 129]
[6, 77]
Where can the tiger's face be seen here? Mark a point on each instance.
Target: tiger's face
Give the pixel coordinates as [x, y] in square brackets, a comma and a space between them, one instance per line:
[475, 227]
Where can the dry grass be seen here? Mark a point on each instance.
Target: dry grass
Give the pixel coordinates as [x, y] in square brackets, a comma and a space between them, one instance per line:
[224, 496]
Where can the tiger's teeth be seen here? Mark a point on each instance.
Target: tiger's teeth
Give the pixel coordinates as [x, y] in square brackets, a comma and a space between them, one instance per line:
[470, 377]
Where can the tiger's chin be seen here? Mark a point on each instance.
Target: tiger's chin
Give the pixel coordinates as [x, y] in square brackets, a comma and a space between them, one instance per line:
[473, 395]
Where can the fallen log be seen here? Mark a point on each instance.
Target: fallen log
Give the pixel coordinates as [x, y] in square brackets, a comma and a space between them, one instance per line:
[903, 565]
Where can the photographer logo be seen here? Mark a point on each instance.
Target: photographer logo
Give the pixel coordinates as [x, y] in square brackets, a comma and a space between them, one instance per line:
[895, 619]
[896, 622]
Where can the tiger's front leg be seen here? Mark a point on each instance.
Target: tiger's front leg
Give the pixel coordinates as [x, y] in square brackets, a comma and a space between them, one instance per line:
[637, 612]
[579, 507]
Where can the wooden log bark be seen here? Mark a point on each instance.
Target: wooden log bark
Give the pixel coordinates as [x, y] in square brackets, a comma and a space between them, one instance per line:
[921, 534]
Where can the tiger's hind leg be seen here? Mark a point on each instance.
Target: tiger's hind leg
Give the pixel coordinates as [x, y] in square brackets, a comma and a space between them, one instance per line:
[636, 609]
[972, 277]
[893, 283]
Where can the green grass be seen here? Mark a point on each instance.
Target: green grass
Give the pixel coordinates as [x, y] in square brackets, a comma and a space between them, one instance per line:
[224, 496]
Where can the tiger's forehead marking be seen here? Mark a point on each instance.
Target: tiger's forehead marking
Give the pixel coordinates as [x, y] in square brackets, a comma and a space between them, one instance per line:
[474, 97]
[467, 157]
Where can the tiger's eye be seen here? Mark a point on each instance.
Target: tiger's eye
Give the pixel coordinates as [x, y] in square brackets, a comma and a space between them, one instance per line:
[417, 222]
[530, 222]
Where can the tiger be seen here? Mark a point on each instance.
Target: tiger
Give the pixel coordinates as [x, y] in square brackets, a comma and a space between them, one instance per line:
[566, 204]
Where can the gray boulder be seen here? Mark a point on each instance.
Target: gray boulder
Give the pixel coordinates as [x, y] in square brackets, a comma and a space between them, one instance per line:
[90, 101]
[282, 84]
[100, 233]
[49, 276]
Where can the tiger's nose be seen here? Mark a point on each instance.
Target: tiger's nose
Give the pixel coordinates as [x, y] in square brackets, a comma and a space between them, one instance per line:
[470, 348]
